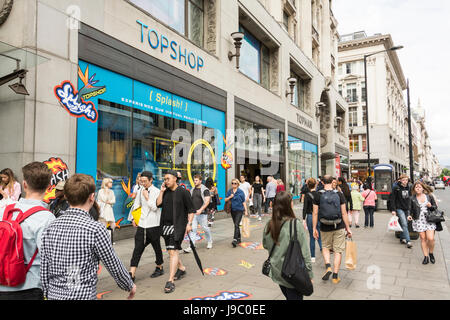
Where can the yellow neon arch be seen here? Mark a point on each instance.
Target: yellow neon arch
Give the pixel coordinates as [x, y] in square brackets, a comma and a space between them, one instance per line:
[191, 151]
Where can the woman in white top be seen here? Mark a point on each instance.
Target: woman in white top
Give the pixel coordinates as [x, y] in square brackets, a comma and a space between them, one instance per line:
[106, 199]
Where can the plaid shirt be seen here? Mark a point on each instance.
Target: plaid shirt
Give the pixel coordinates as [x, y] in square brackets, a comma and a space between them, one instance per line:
[72, 247]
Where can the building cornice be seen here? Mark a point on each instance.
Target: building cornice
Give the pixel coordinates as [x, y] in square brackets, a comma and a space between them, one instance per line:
[368, 42]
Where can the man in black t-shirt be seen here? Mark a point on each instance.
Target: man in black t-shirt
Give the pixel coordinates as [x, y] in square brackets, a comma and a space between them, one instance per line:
[176, 220]
[332, 233]
[201, 198]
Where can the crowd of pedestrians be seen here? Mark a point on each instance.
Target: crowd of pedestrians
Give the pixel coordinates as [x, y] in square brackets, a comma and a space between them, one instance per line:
[64, 244]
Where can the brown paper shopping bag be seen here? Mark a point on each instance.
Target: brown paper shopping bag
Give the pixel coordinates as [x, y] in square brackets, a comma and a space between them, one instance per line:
[245, 227]
[350, 254]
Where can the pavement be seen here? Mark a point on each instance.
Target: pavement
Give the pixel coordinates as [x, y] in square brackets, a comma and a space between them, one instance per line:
[386, 269]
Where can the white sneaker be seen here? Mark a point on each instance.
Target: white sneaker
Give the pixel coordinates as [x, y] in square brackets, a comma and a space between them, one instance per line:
[187, 250]
[259, 219]
[313, 260]
[209, 245]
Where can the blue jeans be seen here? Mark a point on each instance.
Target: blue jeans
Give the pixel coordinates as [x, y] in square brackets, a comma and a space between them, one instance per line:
[404, 224]
[257, 203]
[201, 219]
[312, 241]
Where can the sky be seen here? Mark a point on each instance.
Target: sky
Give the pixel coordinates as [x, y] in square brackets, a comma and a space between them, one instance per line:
[423, 28]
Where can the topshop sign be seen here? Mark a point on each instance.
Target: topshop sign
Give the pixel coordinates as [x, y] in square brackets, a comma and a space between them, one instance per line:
[159, 41]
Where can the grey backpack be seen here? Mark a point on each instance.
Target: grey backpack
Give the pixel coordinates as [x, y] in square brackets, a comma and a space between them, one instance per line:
[330, 207]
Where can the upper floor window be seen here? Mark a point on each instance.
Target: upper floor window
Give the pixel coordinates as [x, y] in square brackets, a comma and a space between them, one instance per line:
[285, 21]
[184, 16]
[352, 116]
[351, 93]
[299, 92]
[255, 59]
[363, 92]
[348, 68]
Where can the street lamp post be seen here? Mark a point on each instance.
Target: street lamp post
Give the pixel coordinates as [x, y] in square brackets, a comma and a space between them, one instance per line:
[349, 156]
[367, 101]
[411, 159]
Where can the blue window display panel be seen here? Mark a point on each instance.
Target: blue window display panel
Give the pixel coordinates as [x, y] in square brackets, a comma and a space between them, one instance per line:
[127, 137]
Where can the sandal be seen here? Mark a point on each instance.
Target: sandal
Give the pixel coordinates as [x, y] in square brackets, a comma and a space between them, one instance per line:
[170, 287]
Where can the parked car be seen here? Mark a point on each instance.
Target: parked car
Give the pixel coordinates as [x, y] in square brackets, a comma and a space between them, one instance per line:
[439, 185]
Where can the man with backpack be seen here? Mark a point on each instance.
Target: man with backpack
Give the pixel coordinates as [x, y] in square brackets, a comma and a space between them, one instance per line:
[22, 226]
[329, 209]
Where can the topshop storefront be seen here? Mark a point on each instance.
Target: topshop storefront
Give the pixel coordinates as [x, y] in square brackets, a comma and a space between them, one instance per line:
[134, 126]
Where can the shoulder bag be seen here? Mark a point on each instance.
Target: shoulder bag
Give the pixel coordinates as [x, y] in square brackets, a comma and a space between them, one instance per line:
[294, 268]
[434, 216]
[228, 206]
[267, 265]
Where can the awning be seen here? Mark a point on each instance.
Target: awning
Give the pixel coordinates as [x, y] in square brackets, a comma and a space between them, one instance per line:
[13, 58]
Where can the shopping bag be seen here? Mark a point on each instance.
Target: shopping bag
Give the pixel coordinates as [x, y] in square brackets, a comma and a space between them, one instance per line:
[350, 254]
[394, 225]
[136, 213]
[246, 227]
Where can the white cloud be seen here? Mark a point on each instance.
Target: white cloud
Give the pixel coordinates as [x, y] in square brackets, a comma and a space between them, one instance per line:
[422, 27]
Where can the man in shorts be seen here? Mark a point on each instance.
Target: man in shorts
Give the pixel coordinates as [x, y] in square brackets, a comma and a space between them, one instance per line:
[176, 220]
[332, 232]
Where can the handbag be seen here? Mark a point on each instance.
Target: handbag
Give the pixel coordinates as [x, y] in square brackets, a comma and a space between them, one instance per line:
[435, 216]
[294, 268]
[218, 202]
[267, 265]
[228, 206]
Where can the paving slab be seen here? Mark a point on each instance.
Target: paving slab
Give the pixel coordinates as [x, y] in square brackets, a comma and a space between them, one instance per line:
[402, 276]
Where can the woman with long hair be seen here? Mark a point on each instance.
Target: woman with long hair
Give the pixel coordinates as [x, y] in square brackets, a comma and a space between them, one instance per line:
[347, 193]
[9, 187]
[106, 200]
[280, 186]
[277, 233]
[238, 208]
[422, 202]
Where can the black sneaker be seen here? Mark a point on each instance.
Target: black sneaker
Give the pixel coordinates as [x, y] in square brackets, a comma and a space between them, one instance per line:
[180, 274]
[158, 272]
[234, 243]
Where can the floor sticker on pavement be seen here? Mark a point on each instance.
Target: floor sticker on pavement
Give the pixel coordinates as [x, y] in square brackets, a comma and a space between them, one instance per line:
[100, 295]
[251, 245]
[198, 237]
[225, 295]
[215, 272]
[246, 264]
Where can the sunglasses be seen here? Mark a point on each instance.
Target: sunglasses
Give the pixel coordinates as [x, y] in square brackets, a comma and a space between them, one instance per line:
[233, 183]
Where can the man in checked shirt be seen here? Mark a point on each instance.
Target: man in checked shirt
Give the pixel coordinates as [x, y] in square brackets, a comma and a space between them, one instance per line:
[73, 246]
